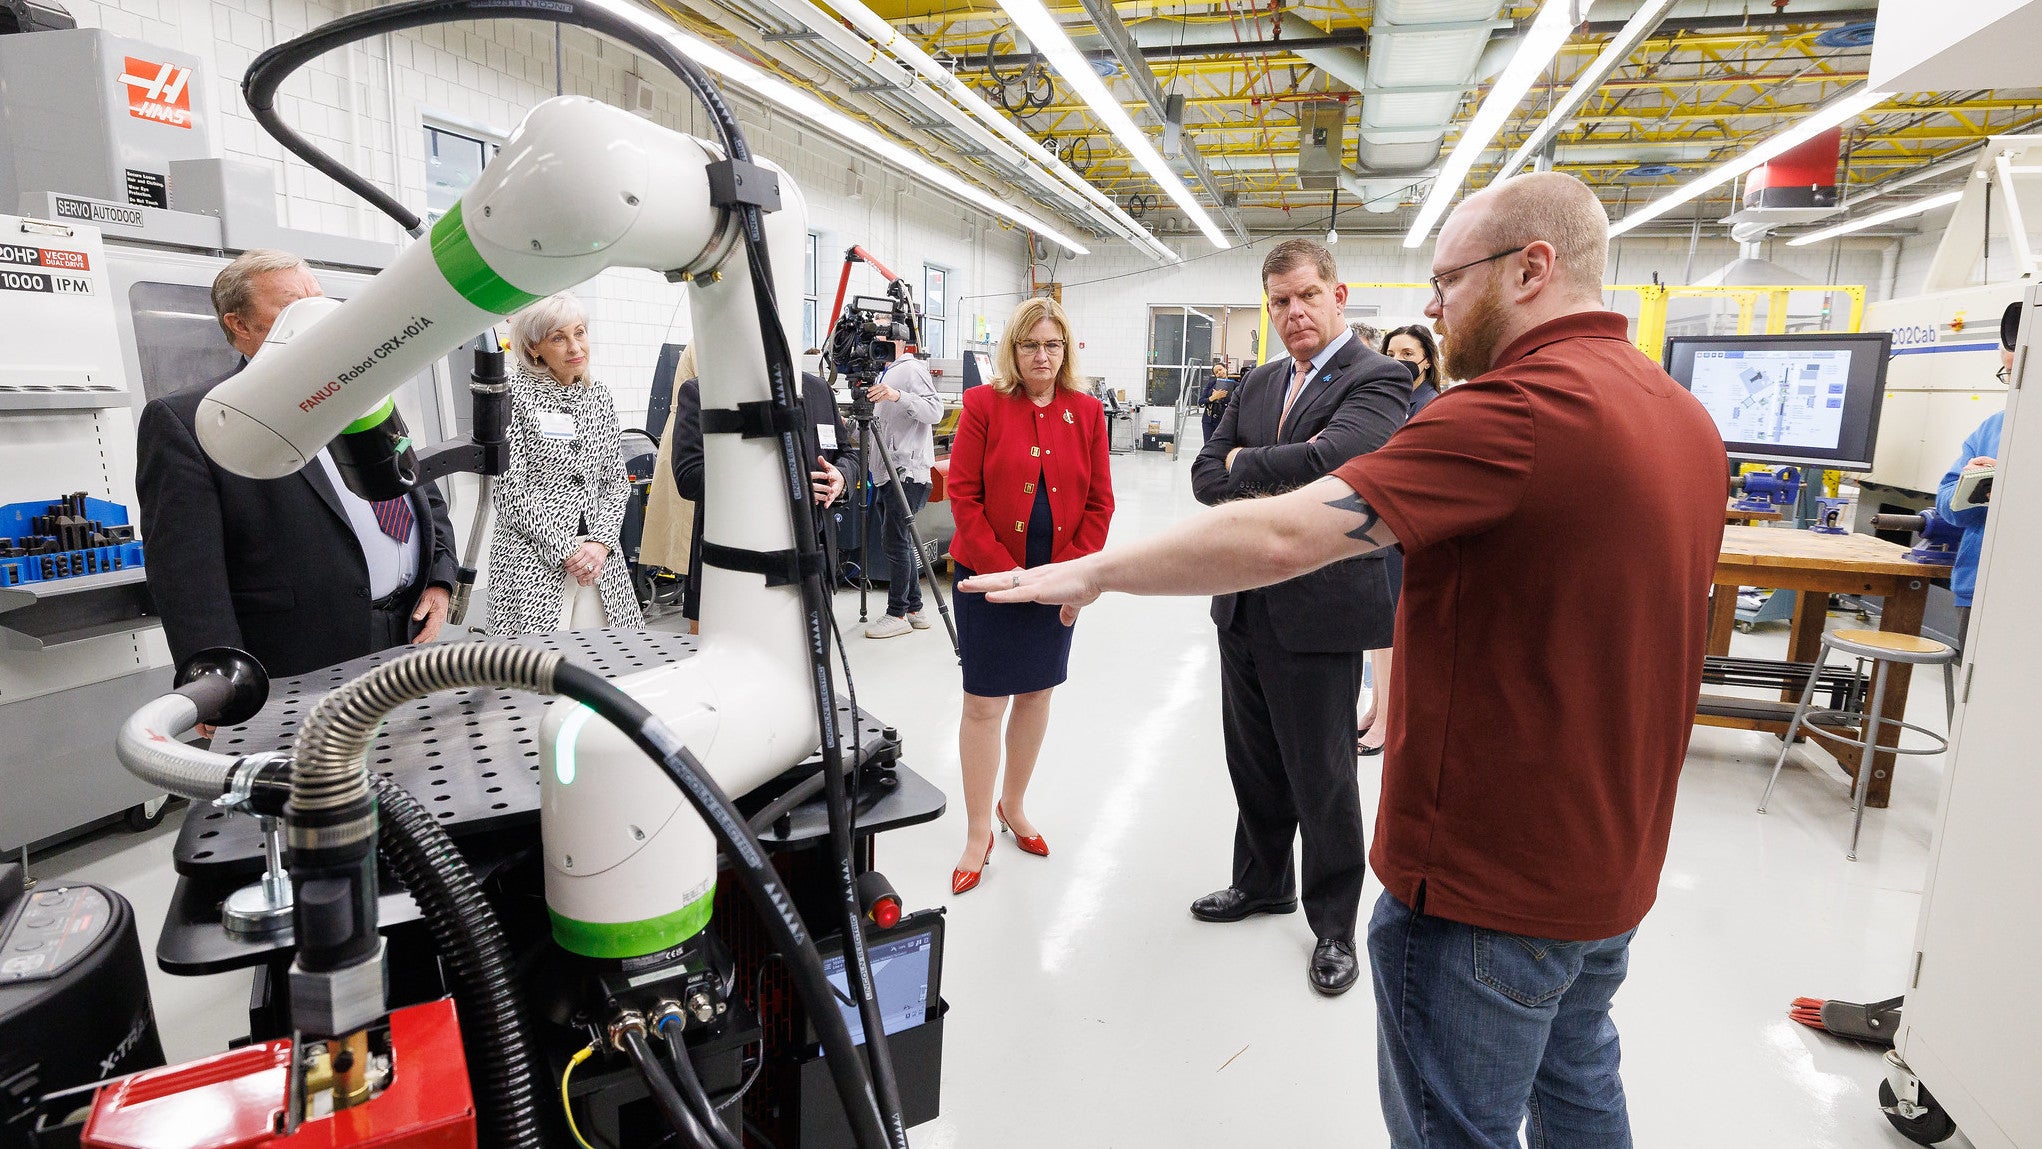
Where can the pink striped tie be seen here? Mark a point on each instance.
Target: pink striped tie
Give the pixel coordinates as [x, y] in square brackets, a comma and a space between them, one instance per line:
[1297, 387]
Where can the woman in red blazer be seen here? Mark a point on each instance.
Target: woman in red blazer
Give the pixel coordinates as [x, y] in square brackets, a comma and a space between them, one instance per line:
[1029, 485]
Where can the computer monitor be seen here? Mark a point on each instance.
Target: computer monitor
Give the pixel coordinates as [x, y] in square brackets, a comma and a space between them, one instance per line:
[978, 368]
[907, 973]
[1796, 400]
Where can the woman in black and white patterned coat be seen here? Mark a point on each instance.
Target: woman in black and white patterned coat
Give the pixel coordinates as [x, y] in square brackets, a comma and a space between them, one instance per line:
[553, 561]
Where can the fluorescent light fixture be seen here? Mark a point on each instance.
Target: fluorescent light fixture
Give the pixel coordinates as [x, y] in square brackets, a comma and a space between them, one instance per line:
[1549, 30]
[1839, 111]
[1613, 54]
[776, 91]
[1046, 172]
[1874, 220]
[1048, 36]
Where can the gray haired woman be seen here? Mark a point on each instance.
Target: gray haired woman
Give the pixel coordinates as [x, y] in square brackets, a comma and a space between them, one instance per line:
[553, 561]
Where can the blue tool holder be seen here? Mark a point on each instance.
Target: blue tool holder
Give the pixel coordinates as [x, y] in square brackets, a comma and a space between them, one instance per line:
[15, 523]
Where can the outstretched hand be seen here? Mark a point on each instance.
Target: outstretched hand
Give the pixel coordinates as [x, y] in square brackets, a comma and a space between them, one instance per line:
[1069, 585]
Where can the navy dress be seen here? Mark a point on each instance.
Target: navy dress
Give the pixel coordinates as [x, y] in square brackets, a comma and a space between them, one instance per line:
[1016, 647]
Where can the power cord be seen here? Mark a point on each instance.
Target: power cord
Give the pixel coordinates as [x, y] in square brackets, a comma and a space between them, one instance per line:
[567, 1106]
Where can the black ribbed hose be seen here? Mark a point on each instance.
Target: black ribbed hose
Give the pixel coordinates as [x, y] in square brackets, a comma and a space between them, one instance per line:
[470, 941]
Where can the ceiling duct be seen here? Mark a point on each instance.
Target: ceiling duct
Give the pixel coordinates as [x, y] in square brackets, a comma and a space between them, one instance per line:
[1334, 55]
[1424, 57]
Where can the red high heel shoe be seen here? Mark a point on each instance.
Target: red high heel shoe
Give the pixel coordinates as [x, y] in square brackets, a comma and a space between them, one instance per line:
[962, 881]
[1034, 845]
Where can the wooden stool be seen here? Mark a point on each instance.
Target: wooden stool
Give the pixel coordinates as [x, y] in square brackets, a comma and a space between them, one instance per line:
[1882, 649]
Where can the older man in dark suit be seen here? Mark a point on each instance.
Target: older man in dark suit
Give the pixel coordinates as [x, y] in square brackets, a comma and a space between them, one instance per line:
[300, 571]
[1291, 654]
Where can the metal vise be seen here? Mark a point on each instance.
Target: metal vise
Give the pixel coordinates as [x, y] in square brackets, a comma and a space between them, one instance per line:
[1936, 537]
[1765, 490]
[1829, 517]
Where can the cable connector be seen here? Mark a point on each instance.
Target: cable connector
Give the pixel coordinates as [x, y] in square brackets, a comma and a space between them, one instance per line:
[669, 1012]
[626, 1022]
[704, 1008]
[734, 183]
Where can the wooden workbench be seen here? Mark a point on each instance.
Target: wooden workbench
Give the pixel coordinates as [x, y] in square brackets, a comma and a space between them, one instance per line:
[1821, 565]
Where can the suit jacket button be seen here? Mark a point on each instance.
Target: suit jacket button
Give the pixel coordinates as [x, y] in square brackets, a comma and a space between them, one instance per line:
[361, 592]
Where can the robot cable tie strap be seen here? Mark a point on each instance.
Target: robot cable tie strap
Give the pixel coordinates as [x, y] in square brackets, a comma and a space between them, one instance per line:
[781, 568]
[764, 419]
[736, 183]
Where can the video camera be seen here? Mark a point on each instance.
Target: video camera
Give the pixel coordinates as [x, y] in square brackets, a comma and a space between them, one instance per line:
[868, 335]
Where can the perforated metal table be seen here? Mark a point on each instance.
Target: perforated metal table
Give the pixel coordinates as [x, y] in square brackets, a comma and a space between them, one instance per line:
[472, 756]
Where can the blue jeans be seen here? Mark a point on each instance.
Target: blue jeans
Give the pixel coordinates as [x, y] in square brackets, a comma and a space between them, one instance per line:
[903, 566]
[1478, 1030]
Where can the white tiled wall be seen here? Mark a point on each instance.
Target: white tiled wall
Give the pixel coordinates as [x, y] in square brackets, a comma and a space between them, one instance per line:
[366, 104]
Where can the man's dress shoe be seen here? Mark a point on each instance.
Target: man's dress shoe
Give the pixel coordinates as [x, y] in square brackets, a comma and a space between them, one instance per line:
[1231, 905]
[1333, 970]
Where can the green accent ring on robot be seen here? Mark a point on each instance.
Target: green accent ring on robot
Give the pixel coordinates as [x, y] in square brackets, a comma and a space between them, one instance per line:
[469, 273]
[372, 419]
[633, 939]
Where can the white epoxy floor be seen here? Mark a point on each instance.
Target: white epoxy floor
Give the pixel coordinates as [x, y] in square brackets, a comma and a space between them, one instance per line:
[1089, 1009]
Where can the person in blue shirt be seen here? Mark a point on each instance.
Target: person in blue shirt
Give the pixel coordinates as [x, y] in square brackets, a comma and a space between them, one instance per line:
[1980, 450]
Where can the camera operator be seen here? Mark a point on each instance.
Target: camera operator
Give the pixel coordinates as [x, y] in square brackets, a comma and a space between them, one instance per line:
[905, 409]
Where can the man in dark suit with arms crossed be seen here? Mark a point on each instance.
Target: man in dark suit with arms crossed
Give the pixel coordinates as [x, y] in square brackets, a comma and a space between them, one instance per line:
[1291, 654]
[299, 571]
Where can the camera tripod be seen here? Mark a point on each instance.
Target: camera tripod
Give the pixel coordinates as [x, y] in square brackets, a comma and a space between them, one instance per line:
[862, 415]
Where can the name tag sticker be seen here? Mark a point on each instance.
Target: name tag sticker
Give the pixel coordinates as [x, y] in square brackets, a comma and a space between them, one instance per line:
[556, 425]
[826, 435]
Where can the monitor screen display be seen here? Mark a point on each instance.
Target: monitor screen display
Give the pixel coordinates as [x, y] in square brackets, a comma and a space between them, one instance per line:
[978, 369]
[1808, 400]
[903, 971]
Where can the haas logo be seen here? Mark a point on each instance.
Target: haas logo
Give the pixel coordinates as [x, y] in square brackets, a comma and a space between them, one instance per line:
[158, 92]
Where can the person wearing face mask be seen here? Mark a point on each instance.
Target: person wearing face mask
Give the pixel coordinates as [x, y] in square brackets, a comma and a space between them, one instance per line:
[1291, 654]
[300, 571]
[553, 561]
[1412, 344]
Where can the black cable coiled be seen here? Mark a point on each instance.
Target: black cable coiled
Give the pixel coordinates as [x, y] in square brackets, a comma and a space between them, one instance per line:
[470, 941]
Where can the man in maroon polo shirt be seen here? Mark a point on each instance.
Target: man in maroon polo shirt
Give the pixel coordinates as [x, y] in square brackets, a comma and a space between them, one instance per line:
[1560, 515]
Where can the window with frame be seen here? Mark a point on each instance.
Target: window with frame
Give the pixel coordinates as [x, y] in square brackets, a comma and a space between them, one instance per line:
[935, 310]
[809, 313]
[453, 161]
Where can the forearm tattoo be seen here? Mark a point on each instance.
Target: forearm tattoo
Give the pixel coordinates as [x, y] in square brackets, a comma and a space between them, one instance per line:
[1355, 503]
